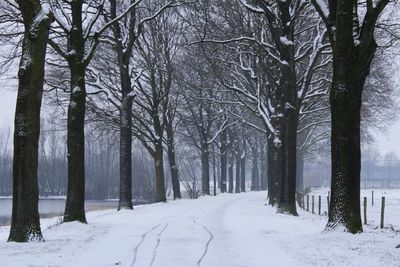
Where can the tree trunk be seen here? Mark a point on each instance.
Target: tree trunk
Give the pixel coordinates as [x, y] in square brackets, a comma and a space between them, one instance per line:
[351, 65]
[172, 161]
[300, 171]
[230, 173]
[214, 173]
[263, 168]
[125, 154]
[287, 200]
[243, 169]
[223, 159]
[275, 168]
[237, 182]
[75, 203]
[205, 170]
[159, 170]
[255, 177]
[25, 224]
[345, 185]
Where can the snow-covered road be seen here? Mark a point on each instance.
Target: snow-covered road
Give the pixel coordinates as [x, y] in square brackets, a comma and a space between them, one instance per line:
[223, 231]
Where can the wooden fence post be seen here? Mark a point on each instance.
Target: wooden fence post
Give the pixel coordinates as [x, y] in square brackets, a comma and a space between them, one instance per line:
[308, 202]
[365, 210]
[383, 212]
[319, 205]
[312, 204]
[372, 198]
[327, 200]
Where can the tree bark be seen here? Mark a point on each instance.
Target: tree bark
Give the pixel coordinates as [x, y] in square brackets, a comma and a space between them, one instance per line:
[223, 159]
[125, 153]
[237, 182]
[75, 203]
[205, 169]
[263, 168]
[351, 66]
[300, 171]
[125, 165]
[243, 168]
[172, 161]
[288, 107]
[255, 177]
[287, 200]
[230, 173]
[159, 170]
[25, 224]
[275, 168]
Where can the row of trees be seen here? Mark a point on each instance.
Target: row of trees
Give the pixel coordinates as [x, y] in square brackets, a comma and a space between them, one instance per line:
[228, 79]
[286, 61]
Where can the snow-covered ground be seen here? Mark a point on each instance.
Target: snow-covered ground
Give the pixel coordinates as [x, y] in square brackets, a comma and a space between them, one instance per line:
[392, 206]
[223, 231]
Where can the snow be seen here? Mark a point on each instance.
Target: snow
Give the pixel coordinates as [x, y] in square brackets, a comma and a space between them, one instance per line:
[285, 41]
[227, 230]
[392, 206]
[324, 7]
[43, 15]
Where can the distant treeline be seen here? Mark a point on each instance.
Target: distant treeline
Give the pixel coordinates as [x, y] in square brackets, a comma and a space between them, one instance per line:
[102, 165]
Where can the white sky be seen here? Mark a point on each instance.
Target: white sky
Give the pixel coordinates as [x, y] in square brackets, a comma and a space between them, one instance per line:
[7, 106]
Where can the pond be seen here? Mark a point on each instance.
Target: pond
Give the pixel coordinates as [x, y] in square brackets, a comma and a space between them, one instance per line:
[52, 207]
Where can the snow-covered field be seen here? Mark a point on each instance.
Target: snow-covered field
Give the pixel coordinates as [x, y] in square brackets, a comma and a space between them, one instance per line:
[223, 231]
[392, 206]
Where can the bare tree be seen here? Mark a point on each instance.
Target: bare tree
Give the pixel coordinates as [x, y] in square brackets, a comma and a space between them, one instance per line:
[25, 225]
[352, 38]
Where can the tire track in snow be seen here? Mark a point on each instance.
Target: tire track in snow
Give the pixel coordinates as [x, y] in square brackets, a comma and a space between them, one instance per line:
[207, 244]
[157, 244]
[143, 237]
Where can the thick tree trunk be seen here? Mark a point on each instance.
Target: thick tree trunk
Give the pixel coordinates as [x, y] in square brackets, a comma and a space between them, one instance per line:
[25, 224]
[223, 159]
[345, 98]
[351, 65]
[255, 177]
[172, 162]
[237, 181]
[287, 200]
[300, 171]
[230, 173]
[125, 154]
[159, 171]
[346, 164]
[243, 168]
[205, 170]
[263, 168]
[275, 174]
[75, 203]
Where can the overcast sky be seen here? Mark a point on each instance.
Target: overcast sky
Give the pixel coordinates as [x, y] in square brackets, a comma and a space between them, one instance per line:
[7, 105]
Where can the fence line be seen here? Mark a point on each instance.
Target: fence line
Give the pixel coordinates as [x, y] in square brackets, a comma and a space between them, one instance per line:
[300, 197]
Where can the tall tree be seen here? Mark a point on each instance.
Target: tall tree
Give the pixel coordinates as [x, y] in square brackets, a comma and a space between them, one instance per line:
[123, 45]
[25, 225]
[352, 37]
[75, 39]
